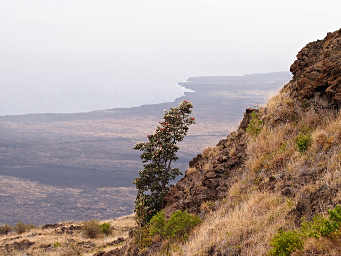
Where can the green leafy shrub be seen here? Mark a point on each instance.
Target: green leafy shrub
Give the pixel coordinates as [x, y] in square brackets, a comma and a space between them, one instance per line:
[22, 227]
[5, 229]
[318, 227]
[255, 125]
[285, 243]
[158, 225]
[180, 223]
[91, 229]
[105, 228]
[321, 226]
[176, 227]
[57, 245]
[335, 214]
[303, 141]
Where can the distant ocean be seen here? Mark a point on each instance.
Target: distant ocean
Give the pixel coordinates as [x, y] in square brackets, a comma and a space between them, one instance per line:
[27, 99]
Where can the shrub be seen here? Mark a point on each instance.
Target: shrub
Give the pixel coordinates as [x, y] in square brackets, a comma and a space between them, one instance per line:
[70, 250]
[207, 206]
[105, 228]
[303, 141]
[158, 225]
[22, 227]
[92, 229]
[321, 226]
[176, 227]
[335, 214]
[285, 243]
[180, 223]
[5, 229]
[318, 227]
[57, 245]
[255, 125]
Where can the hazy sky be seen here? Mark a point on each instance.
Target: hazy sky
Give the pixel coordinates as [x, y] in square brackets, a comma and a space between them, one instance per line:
[81, 55]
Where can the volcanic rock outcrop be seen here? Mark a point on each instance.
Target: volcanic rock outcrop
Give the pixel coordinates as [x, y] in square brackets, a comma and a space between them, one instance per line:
[317, 71]
[316, 82]
[211, 173]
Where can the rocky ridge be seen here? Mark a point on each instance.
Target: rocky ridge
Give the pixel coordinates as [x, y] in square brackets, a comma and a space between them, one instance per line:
[317, 71]
[316, 79]
[238, 175]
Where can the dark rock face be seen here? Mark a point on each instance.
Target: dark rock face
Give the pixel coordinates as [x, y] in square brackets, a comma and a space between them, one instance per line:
[211, 174]
[19, 246]
[315, 202]
[67, 229]
[51, 226]
[317, 72]
[233, 251]
[115, 252]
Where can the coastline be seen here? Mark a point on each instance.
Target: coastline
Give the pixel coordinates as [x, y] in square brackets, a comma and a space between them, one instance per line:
[72, 166]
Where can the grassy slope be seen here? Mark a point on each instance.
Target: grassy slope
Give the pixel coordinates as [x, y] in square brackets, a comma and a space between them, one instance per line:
[255, 208]
[292, 168]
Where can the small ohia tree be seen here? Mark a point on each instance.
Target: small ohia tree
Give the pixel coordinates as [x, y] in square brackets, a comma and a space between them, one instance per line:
[158, 155]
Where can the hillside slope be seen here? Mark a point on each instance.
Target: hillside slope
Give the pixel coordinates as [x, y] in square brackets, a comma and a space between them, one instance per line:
[280, 168]
[266, 189]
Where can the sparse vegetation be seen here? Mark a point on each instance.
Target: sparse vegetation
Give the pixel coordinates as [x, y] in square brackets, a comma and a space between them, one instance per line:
[106, 228]
[169, 231]
[255, 125]
[177, 227]
[322, 226]
[303, 141]
[21, 227]
[71, 250]
[285, 243]
[66, 239]
[56, 244]
[92, 229]
[5, 229]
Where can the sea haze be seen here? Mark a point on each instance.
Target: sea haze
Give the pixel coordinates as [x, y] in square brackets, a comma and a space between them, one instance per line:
[57, 167]
[77, 92]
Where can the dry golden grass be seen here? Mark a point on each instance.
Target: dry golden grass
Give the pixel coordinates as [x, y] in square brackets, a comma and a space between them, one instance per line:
[249, 226]
[271, 149]
[248, 219]
[280, 109]
[210, 152]
[275, 147]
[48, 242]
[190, 171]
